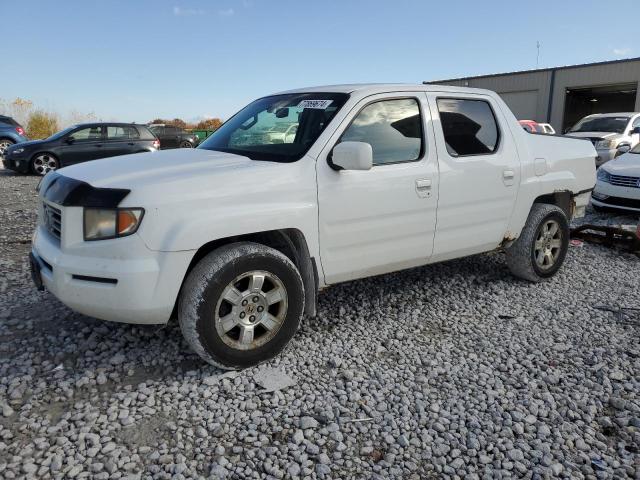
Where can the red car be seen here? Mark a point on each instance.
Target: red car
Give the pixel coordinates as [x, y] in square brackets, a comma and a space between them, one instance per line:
[531, 126]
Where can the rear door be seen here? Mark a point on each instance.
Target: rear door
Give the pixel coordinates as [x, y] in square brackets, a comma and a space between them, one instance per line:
[383, 219]
[117, 141]
[85, 143]
[121, 140]
[170, 137]
[479, 173]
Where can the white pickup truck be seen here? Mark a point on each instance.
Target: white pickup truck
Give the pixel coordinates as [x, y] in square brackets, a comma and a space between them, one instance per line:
[237, 237]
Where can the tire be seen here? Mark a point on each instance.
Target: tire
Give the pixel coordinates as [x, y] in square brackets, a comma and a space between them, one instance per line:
[4, 144]
[186, 144]
[43, 163]
[538, 240]
[208, 294]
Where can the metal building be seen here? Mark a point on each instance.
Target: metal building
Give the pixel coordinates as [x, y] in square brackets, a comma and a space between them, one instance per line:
[563, 95]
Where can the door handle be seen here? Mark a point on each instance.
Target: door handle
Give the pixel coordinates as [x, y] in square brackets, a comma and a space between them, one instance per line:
[98, 145]
[508, 176]
[131, 144]
[423, 187]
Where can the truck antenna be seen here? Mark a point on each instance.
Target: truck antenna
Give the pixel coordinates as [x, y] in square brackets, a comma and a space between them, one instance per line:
[538, 54]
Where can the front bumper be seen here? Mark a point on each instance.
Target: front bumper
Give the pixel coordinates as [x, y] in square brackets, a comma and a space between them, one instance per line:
[614, 196]
[16, 163]
[140, 286]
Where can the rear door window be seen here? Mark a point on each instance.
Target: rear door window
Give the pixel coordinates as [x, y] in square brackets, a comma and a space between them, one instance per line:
[469, 126]
[122, 132]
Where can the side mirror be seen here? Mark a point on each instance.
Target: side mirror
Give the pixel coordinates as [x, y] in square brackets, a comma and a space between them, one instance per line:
[635, 130]
[622, 149]
[70, 140]
[352, 156]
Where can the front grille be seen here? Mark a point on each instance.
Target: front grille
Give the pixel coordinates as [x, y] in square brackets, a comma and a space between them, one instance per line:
[52, 220]
[624, 181]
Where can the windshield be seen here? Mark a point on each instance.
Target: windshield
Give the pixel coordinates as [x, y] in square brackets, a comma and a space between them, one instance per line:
[61, 133]
[601, 124]
[280, 128]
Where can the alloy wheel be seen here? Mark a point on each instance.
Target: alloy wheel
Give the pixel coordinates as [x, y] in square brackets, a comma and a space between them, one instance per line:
[44, 163]
[251, 310]
[548, 245]
[4, 144]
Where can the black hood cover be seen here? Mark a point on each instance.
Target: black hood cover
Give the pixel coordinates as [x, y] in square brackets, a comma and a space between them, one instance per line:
[70, 192]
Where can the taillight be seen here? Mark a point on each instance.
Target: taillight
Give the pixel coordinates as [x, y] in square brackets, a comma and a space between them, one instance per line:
[156, 144]
[20, 130]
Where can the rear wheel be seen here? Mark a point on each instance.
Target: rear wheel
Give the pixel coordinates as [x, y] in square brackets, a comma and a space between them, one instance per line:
[44, 163]
[540, 250]
[241, 305]
[186, 144]
[4, 144]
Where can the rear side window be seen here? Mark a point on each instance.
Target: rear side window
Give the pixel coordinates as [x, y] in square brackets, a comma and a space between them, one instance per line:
[145, 133]
[9, 121]
[469, 126]
[393, 128]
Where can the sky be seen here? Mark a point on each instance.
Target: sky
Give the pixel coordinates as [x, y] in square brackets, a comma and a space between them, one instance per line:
[136, 60]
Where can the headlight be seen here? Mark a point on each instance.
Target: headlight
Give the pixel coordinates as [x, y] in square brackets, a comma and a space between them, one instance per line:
[17, 151]
[102, 224]
[604, 176]
[606, 144]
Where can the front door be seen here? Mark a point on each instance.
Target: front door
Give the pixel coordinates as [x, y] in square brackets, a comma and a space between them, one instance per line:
[86, 143]
[479, 174]
[383, 219]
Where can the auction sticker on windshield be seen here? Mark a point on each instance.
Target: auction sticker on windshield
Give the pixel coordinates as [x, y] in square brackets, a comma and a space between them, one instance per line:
[319, 104]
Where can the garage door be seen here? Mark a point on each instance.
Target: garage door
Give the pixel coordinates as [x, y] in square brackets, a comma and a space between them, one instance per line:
[524, 105]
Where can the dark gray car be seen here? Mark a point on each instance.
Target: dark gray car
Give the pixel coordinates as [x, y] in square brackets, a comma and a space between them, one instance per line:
[79, 143]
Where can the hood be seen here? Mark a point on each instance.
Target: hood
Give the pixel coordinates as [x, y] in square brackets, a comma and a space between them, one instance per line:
[607, 135]
[157, 168]
[28, 144]
[627, 164]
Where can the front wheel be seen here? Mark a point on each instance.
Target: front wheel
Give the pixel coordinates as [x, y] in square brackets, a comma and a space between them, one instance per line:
[44, 163]
[241, 305]
[540, 250]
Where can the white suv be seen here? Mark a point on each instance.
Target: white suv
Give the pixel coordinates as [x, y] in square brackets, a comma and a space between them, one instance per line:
[237, 237]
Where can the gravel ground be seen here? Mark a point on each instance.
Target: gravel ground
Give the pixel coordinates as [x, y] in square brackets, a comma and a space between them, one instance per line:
[454, 370]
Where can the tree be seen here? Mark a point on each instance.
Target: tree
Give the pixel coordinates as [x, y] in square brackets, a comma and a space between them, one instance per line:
[208, 124]
[41, 124]
[176, 122]
[19, 109]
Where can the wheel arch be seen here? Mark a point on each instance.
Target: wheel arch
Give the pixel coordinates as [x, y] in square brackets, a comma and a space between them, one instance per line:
[290, 242]
[562, 199]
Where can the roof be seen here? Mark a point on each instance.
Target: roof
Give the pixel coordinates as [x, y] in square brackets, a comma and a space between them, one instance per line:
[613, 114]
[537, 70]
[373, 88]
